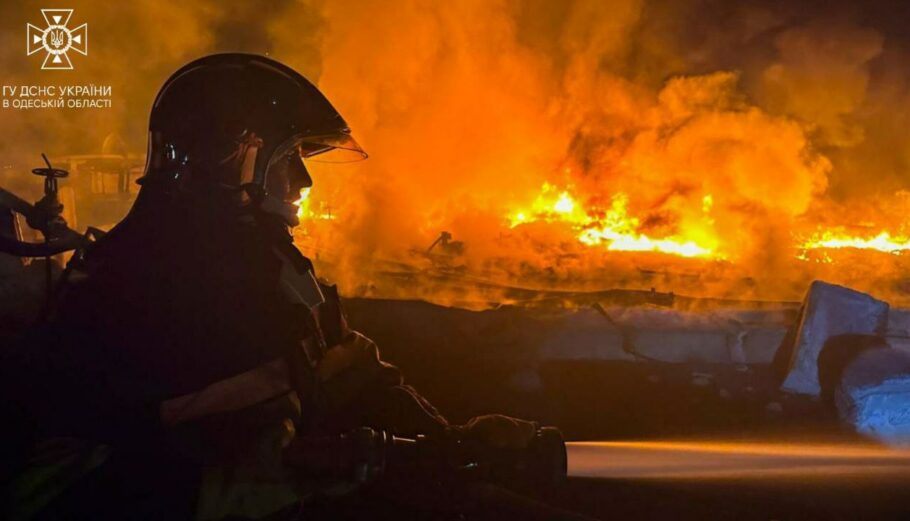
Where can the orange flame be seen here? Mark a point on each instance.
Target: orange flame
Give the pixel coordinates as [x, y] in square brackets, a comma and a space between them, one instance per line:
[883, 242]
[614, 228]
[305, 208]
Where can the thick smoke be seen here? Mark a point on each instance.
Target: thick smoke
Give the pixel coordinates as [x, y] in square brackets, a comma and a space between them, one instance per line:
[743, 125]
[469, 108]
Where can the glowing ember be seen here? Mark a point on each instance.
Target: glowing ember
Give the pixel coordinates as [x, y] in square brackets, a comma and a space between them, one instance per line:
[614, 228]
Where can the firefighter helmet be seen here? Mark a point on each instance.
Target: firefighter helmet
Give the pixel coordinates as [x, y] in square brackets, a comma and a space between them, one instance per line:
[241, 123]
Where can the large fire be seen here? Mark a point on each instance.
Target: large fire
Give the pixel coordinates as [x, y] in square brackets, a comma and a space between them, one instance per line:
[735, 149]
[612, 227]
[601, 151]
[608, 236]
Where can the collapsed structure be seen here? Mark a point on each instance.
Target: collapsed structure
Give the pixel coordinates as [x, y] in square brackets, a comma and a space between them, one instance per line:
[671, 365]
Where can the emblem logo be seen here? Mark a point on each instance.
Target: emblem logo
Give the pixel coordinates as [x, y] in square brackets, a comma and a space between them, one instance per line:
[57, 39]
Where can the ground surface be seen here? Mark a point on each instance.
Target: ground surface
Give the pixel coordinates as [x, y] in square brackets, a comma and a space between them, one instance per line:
[831, 498]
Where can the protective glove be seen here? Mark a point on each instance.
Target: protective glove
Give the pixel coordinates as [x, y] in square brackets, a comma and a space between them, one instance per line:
[355, 352]
[350, 368]
[500, 431]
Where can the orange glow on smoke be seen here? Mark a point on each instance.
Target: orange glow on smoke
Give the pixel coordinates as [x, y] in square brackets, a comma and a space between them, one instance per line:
[566, 159]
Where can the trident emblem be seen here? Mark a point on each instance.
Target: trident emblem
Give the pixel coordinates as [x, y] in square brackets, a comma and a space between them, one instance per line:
[57, 39]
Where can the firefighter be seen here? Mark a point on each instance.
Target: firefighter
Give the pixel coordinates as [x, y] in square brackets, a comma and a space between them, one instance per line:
[194, 341]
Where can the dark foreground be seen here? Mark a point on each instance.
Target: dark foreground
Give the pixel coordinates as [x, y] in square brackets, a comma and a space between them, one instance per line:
[469, 363]
[476, 363]
[766, 499]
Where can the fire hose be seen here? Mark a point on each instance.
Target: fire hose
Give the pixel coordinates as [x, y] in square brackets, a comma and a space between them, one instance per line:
[445, 474]
[366, 454]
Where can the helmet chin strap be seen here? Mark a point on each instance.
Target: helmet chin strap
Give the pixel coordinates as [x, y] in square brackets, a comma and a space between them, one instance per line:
[243, 160]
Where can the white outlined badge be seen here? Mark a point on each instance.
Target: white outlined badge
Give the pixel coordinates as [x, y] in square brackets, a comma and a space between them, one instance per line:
[57, 39]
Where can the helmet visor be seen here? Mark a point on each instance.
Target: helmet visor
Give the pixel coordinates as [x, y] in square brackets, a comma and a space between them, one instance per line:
[331, 148]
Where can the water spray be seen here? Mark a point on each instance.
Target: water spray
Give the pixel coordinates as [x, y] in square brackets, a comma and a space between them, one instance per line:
[690, 460]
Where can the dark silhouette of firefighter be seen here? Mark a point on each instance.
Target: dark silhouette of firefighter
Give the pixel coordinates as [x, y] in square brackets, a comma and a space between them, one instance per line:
[193, 343]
